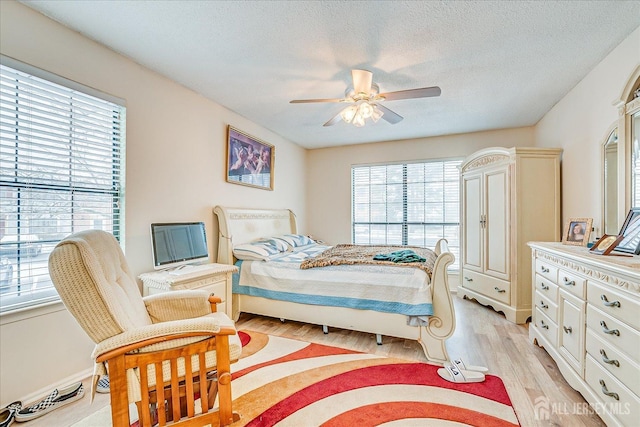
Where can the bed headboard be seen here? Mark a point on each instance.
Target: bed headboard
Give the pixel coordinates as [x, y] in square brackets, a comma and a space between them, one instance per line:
[242, 225]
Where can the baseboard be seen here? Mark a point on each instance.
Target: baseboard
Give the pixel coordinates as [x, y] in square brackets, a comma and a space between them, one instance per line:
[38, 395]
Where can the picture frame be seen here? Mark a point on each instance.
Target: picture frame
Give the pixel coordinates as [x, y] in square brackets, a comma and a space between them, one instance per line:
[606, 244]
[577, 231]
[630, 232]
[250, 161]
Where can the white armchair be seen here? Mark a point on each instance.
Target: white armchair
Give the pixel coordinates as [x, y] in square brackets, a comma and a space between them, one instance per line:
[152, 344]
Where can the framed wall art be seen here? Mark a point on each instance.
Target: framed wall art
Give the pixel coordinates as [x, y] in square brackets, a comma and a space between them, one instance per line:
[630, 233]
[250, 161]
[577, 231]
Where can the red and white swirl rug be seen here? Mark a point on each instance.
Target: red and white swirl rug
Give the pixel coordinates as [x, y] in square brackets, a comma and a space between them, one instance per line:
[285, 382]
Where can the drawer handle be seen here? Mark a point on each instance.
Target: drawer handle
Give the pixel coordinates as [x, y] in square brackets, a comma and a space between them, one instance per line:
[544, 287]
[497, 289]
[568, 282]
[609, 331]
[605, 359]
[606, 302]
[543, 305]
[468, 279]
[567, 329]
[544, 269]
[543, 325]
[607, 392]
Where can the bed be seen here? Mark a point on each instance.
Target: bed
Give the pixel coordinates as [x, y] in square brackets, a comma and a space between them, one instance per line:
[237, 226]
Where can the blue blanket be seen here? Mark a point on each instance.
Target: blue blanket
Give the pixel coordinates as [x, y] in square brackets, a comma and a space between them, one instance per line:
[403, 256]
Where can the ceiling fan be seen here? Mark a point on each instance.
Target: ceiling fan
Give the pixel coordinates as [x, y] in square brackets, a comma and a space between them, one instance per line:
[365, 100]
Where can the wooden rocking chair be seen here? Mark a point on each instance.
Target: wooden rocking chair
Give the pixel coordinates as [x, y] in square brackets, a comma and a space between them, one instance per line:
[163, 352]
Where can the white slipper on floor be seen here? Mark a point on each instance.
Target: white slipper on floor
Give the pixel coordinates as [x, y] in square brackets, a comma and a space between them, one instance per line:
[461, 365]
[452, 374]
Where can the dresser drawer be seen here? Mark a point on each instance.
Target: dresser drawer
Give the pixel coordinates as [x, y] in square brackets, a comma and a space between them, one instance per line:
[546, 306]
[614, 361]
[571, 331]
[547, 288]
[614, 332]
[546, 326]
[572, 283]
[616, 304]
[613, 395]
[496, 289]
[547, 270]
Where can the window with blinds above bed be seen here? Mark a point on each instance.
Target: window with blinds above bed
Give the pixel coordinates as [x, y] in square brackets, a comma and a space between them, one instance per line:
[407, 204]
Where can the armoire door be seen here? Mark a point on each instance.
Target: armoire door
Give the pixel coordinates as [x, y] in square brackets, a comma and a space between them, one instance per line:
[496, 221]
[472, 227]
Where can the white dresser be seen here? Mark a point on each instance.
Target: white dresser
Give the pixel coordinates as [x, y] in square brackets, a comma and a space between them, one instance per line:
[213, 278]
[587, 317]
[510, 196]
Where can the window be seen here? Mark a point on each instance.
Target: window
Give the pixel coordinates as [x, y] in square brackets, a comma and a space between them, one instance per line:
[407, 204]
[61, 171]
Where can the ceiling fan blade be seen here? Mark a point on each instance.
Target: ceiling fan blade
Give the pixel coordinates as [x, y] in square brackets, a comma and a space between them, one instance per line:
[335, 119]
[389, 115]
[423, 92]
[305, 101]
[362, 80]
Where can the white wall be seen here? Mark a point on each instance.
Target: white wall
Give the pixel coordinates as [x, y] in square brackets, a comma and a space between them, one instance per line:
[580, 123]
[175, 157]
[329, 171]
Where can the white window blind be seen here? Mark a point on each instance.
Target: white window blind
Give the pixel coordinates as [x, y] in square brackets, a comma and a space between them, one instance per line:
[407, 204]
[61, 171]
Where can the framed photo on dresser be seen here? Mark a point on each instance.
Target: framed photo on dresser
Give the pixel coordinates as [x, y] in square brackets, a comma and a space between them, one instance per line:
[605, 244]
[577, 231]
[630, 233]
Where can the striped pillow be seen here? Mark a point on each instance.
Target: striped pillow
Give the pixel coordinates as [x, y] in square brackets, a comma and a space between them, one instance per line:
[259, 250]
[295, 240]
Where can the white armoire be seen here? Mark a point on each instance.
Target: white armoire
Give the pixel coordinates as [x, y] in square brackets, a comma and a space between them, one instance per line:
[510, 196]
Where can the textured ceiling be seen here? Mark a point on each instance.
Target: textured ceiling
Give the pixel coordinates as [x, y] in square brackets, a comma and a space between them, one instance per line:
[500, 64]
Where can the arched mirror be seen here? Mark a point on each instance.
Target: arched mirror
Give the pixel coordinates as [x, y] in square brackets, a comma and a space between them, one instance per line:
[628, 150]
[635, 155]
[610, 183]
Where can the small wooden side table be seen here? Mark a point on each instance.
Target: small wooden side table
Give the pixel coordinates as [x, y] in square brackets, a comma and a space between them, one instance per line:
[215, 279]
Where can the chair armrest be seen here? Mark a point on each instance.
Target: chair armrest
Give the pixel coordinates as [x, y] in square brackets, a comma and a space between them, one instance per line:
[177, 305]
[213, 302]
[171, 334]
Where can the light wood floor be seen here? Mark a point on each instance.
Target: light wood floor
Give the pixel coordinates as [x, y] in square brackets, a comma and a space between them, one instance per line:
[482, 337]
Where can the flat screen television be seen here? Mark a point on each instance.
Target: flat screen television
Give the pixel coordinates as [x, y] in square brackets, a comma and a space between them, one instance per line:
[178, 243]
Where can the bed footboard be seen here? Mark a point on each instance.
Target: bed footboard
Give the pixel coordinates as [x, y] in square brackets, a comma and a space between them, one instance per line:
[443, 322]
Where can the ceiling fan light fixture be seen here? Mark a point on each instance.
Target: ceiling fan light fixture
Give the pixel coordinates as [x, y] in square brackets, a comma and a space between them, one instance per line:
[363, 96]
[357, 113]
[365, 110]
[349, 113]
[376, 113]
[358, 121]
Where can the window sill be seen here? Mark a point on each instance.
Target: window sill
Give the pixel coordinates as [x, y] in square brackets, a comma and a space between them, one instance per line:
[25, 313]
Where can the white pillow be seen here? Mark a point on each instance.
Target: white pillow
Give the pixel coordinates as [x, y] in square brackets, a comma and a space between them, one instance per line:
[295, 240]
[260, 250]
